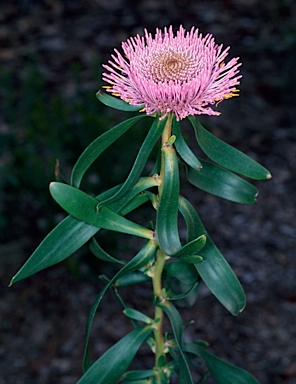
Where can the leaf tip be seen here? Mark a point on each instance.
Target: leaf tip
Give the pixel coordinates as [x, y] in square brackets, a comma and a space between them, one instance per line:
[241, 310]
[242, 307]
[269, 176]
[255, 196]
[199, 259]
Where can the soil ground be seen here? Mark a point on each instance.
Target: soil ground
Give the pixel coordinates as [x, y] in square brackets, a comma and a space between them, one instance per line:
[43, 318]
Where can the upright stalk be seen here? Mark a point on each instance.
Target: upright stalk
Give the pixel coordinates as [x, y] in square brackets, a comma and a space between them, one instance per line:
[158, 315]
[167, 132]
[160, 262]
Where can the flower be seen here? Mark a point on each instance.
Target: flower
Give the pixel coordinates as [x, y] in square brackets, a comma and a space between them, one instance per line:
[181, 74]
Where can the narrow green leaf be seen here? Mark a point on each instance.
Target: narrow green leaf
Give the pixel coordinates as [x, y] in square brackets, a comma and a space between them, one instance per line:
[222, 371]
[136, 315]
[177, 326]
[83, 207]
[192, 289]
[157, 164]
[60, 243]
[167, 212]
[133, 199]
[226, 155]
[116, 103]
[191, 248]
[182, 272]
[140, 162]
[87, 362]
[141, 381]
[214, 269]
[133, 204]
[183, 149]
[115, 222]
[113, 363]
[66, 238]
[183, 278]
[154, 199]
[99, 252]
[194, 226]
[191, 259]
[143, 184]
[132, 278]
[137, 375]
[143, 257]
[222, 183]
[220, 279]
[98, 146]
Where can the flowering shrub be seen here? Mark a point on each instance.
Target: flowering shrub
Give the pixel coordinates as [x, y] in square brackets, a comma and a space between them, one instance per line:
[165, 78]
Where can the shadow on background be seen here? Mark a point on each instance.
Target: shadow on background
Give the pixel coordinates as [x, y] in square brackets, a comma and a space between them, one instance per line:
[50, 60]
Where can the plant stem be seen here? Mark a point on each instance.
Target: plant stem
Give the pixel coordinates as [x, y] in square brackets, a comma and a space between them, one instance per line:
[167, 132]
[159, 263]
[158, 315]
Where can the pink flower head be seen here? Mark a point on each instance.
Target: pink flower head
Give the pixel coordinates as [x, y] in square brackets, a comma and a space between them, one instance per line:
[181, 74]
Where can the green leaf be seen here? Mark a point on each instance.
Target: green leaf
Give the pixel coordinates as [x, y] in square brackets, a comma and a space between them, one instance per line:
[222, 371]
[68, 236]
[153, 199]
[193, 288]
[133, 204]
[113, 363]
[143, 257]
[191, 249]
[136, 315]
[167, 212]
[214, 269]
[83, 207]
[98, 146]
[220, 279]
[99, 252]
[194, 226]
[226, 155]
[157, 164]
[222, 183]
[181, 277]
[60, 243]
[141, 381]
[143, 184]
[133, 199]
[132, 278]
[140, 162]
[177, 326]
[182, 272]
[183, 149]
[137, 375]
[191, 259]
[117, 103]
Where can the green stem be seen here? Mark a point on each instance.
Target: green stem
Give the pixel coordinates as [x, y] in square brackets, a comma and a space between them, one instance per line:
[158, 315]
[167, 132]
[159, 264]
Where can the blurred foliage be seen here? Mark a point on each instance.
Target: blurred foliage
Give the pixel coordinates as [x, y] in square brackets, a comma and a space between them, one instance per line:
[38, 127]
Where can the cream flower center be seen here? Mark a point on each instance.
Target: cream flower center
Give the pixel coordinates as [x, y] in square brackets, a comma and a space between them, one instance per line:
[172, 66]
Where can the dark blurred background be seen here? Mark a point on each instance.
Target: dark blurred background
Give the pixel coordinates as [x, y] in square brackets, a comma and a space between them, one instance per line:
[50, 69]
